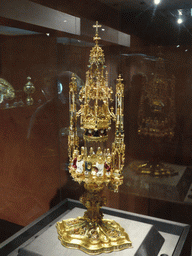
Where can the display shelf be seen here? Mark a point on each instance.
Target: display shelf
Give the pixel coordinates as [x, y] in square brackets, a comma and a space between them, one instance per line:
[173, 188]
[142, 234]
[174, 233]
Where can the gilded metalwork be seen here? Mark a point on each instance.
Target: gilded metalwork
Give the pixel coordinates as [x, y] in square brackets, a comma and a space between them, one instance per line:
[157, 118]
[29, 89]
[108, 236]
[95, 164]
[7, 91]
[91, 233]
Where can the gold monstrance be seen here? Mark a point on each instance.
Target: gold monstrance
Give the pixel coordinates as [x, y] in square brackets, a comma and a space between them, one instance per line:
[95, 164]
[157, 119]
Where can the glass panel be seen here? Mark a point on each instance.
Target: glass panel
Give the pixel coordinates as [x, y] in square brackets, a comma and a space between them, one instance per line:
[30, 173]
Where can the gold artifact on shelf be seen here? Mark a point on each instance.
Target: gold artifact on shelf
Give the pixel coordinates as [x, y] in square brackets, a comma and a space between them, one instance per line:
[7, 91]
[96, 165]
[157, 118]
[29, 89]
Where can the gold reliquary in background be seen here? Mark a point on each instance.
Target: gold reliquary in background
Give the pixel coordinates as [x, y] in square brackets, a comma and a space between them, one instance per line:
[95, 164]
[157, 118]
[11, 98]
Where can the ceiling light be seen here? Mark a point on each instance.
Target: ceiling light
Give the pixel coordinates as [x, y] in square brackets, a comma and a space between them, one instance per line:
[180, 12]
[186, 50]
[47, 34]
[157, 1]
[65, 20]
[179, 21]
[103, 29]
[178, 46]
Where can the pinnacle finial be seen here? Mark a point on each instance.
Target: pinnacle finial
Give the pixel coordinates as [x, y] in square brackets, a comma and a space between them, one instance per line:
[96, 37]
[119, 79]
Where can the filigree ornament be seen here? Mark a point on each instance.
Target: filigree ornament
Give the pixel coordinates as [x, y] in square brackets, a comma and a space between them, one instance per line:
[95, 164]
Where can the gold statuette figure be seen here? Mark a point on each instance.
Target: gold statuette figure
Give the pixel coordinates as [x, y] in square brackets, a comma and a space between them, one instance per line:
[96, 165]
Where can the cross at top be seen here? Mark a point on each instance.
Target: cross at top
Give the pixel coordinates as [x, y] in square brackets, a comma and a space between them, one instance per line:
[119, 79]
[97, 26]
[97, 31]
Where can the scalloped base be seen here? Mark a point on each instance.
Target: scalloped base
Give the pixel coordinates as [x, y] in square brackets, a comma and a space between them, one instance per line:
[93, 238]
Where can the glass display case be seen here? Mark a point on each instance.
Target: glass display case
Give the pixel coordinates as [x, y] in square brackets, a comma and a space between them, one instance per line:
[42, 44]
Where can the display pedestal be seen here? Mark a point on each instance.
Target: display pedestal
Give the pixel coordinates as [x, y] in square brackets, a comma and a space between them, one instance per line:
[145, 238]
[41, 238]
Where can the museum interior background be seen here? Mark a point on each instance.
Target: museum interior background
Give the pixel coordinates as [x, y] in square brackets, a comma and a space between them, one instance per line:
[50, 40]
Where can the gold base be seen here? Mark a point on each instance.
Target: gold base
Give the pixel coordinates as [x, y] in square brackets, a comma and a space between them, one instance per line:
[153, 169]
[93, 238]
